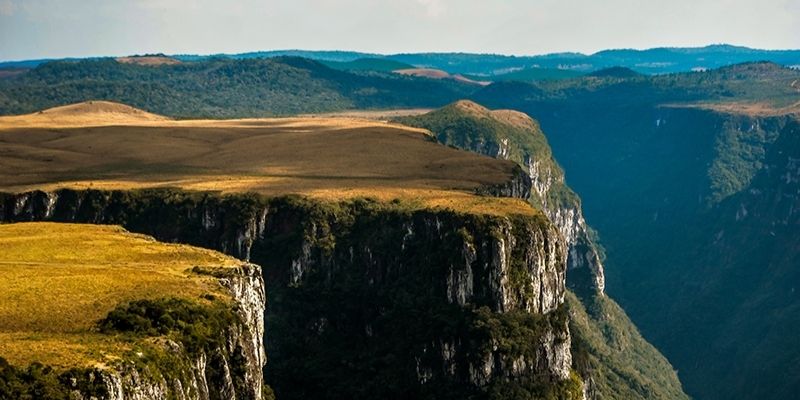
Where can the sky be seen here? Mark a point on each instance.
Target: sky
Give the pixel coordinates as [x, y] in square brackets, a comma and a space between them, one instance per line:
[78, 28]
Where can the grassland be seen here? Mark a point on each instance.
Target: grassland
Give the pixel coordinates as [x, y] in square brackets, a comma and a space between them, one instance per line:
[57, 280]
[110, 146]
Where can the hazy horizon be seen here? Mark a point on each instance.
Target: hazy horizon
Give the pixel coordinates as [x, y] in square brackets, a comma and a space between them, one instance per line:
[34, 29]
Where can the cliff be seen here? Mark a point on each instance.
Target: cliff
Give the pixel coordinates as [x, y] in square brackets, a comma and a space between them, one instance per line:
[228, 366]
[608, 352]
[370, 298]
[689, 178]
[514, 136]
[94, 312]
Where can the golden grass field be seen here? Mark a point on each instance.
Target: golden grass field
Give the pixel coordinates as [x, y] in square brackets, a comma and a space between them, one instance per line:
[106, 145]
[57, 280]
[439, 74]
[148, 60]
[753, 109]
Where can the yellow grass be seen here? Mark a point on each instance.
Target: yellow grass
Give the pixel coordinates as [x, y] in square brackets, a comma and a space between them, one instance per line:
[57, 280]
[110, 146]
[148, 60]
[755, 109]
[379, 115]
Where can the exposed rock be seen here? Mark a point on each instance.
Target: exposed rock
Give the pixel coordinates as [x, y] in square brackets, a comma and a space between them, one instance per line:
[437, 260]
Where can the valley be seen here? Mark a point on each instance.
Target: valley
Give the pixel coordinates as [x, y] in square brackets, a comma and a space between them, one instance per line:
[663, 179]
[414, 232]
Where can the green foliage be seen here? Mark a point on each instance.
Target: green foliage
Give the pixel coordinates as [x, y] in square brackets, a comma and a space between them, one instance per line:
[220, 88]
[42, 382]
[368, 64]
[570, 389]
[469, 126]
[533, 74]
[741, 147]
[698, 245]
[198, 327]
[358, 291]
[608, 350]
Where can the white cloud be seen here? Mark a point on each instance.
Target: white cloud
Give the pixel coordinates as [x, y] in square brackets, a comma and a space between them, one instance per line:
[7, 8]
[59, 28]
[433, 8]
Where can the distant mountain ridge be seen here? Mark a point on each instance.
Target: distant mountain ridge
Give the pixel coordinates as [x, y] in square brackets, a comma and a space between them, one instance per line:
[658, 60]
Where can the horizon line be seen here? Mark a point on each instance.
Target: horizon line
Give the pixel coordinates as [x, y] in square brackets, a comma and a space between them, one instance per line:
[389, 54]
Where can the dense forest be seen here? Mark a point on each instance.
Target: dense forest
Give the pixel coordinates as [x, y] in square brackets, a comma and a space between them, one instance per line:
[221, 87]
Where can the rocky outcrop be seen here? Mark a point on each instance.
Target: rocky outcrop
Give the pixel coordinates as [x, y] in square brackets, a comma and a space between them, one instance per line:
[231, 369]
[514, 136]
[519, 186]
[442, 294]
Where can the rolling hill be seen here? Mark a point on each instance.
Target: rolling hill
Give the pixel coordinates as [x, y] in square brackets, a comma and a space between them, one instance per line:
[534, 74]
[368, 64]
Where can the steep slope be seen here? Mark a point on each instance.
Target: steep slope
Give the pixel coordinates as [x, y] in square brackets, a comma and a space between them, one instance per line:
[665, 165]
[221, 87]
[603, 337]
[424, 289]
[514, 136]
[96, 312]
[372, 299]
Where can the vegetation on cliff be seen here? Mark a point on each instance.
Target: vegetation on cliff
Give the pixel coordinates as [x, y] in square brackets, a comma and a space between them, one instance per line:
[690, 179]
[81, 300]
[369, 297]
[607, 348]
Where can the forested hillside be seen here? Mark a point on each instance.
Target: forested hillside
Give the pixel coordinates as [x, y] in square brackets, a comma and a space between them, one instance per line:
[221, 87]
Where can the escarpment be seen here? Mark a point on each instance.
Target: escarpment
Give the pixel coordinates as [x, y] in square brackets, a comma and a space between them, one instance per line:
[227, 365]
[609, 366]
[95, 312]
[370, 298]
[514, 136]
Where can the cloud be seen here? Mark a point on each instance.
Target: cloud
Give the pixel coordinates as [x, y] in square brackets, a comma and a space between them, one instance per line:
[433, 8]
[7, 8]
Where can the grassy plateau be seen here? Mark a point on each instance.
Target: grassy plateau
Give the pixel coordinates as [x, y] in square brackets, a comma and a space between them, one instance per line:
[58, 280]
[105, 145]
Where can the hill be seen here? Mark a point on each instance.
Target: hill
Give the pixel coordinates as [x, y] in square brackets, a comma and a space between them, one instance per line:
[90, 113]
[648, 61]
[368, 64]
[310, 156]
[535, 74]
[151, 60]
[438, 74]
[614, 72]
[221, 88]
[608, 351]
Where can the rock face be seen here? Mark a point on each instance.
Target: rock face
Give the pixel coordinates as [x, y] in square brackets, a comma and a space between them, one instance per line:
[609, 366]
[232, 369]
[514, 136]
[698, 207]
[366, 299]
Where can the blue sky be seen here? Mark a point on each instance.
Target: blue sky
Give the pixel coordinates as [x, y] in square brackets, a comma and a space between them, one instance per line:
[61, 28]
